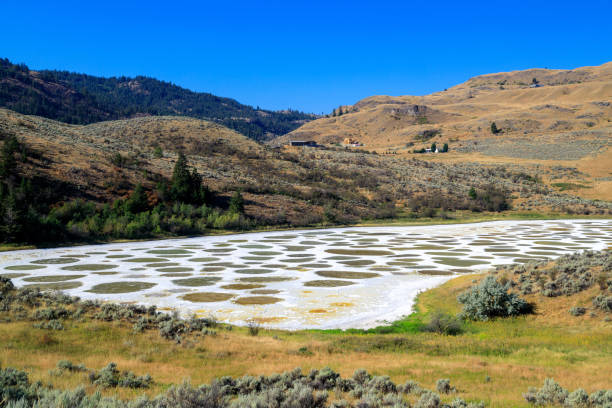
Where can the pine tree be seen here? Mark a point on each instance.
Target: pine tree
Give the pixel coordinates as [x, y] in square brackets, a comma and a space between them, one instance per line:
[445, 148]
[7, 160]
[185, 185]
[138, 201]
[236, 204]
[180, 182]
[433, 147]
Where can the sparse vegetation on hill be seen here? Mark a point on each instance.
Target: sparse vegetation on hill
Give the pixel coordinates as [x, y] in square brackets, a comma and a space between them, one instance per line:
[109, 180]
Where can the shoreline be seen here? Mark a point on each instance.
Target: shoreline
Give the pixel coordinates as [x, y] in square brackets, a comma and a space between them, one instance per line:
[396, 222]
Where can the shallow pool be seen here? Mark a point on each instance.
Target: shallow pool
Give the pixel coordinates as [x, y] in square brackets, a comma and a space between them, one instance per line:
[332, 278]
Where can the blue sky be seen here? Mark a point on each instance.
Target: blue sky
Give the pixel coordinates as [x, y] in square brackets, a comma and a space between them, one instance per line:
[311, 56]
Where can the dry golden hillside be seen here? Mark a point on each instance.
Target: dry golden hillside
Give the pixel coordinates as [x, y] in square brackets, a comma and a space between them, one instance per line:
[295, 186]
[564, 121]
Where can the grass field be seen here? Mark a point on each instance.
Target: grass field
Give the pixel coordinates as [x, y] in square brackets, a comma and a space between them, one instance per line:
[492, 361]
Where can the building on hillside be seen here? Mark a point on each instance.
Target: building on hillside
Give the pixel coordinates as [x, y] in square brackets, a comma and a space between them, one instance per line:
[349, 141]
[309, 143]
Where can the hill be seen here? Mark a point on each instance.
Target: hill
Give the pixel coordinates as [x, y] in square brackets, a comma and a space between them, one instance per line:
[562, 101]
[82, 99]
[102, 163]
[561, 121]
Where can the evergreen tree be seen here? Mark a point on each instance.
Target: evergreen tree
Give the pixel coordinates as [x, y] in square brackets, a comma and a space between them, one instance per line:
[236, 204]
[445, 148]
[494, 128]
[180, 182]
[7, 160]
[186, 186]
[433, 147]
[138, 201]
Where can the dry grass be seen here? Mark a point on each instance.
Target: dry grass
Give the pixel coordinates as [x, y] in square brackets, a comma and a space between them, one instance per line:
[514, 353]
[571, 107]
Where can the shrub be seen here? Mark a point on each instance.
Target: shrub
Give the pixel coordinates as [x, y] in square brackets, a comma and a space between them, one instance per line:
[578, 399]
[550, 393]
[50, 325]
[443, 386]
[158, 152]
[67, 365]
[14, 385]
[324, 379]
[443, 324]
[236, 204]
[494, 129]
[172, 329]
[603, 302]
[111, 377]
[410, 387]
[361, 376]
[382, 384]
[577, 311]
[428, 400]
[253, 327]
[491, 299]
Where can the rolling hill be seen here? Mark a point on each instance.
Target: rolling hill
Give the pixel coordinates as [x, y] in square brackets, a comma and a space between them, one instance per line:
[560, 102]
[83, 99]
[562, 121]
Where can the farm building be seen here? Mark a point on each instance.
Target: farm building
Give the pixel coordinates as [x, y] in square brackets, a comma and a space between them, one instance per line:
[310, 143]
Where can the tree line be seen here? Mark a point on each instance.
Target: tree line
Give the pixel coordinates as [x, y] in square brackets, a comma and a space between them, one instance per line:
[93, 99]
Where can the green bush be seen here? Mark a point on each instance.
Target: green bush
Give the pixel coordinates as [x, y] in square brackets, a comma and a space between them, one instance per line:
[490, 299]
[111, 377]
[443, 324]
[603, 302]
[577, 311]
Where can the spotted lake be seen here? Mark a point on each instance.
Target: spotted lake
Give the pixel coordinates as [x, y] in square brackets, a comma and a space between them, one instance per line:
[332, 278]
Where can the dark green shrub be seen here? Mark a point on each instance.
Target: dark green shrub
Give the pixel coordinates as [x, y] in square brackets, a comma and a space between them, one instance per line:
[494, 129]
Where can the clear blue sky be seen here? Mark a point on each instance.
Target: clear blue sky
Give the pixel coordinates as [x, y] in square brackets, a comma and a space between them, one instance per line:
[308, 55]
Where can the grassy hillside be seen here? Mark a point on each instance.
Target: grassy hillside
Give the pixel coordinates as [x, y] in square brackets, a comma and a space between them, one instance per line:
[494, 361]
[104, 162]
[563, 123]
[81, 99]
